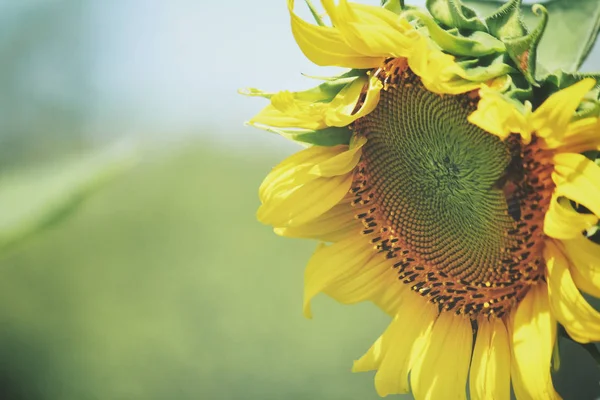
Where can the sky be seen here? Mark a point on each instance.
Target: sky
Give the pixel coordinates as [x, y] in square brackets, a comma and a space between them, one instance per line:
[174, 67]
[179, 64]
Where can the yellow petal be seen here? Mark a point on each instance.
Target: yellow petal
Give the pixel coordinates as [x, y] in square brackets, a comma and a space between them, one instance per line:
[307, 184]
[585, 263]
[333, 226]
[438, 71]
[581, 135]
[533, 333]
[341, 163]
[326, 46]
[371, 31]
[294, 170]
[578, 179]
[490, 368]
[366, 283]
[288, 111]
[305, 202]
[499, 117]
[563, 222]
[332, 263]
[412, 332]
[371, 360]
[297, 115]
[551, 119]
[390, 298]
[441, 371]
[341, 109]
[395, 352]
[580, 320]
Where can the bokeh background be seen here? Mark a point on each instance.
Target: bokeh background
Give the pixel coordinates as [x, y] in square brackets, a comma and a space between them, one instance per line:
[158, 283]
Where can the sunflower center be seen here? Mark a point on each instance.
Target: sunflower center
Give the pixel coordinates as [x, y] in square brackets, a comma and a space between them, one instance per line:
[450, 204]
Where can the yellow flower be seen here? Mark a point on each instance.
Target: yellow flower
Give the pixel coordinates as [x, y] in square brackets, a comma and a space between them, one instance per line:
[451, 208]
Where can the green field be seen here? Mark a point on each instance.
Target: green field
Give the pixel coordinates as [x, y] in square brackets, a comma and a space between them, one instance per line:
[164, 286]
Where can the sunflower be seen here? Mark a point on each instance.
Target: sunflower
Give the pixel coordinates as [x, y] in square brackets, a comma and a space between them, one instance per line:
[445, 188]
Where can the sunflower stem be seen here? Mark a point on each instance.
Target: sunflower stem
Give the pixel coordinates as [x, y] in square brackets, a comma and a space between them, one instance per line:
[589, 347]
[315, 13]
[593, 351]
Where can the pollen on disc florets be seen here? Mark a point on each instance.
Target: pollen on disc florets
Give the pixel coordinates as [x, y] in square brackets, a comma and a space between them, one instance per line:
[456, 210]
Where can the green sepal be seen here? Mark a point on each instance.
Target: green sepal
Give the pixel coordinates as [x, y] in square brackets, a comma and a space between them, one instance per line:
[348, 74]
[485, 68]
[396, 6]
[331, 136]
[324, 92]
[523, 50]
[454, 14]
[507, 22]
[477, 44]
[517, 91]
[520, 90]
[560, 79]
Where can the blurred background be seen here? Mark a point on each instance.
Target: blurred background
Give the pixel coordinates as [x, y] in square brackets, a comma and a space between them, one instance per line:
[162, 285]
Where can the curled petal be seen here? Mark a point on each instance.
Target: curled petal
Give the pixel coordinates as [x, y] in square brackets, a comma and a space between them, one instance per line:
[372, 31]
[288, 110]
[562, 221]
[580, 319]
[578, 179]
[326, 46]
[585, 268]
[341, 110]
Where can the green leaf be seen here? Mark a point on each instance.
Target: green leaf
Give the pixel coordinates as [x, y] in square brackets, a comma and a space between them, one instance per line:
[591, 348]
[331, 136]
[520, 90]
[590, 105]
[33, 199]
[325, 92]
[454, 14]
[507, 21]
[523, 50]
[482, 69]
[560, 80]
[476, 44]
[572, 30]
